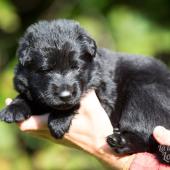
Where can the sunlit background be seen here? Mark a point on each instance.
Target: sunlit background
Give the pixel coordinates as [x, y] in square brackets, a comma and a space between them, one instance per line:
[138, 27]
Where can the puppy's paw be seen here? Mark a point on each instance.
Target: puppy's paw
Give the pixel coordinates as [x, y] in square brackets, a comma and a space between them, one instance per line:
[15, 113]
[56, 129]
[119, 142]
[127, 142]
[116, 139]
[59, 125]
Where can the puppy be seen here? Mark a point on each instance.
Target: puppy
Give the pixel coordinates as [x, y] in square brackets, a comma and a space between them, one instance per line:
[59, 62]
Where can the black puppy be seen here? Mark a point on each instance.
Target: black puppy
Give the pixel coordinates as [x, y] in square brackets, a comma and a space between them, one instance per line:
[59, 62]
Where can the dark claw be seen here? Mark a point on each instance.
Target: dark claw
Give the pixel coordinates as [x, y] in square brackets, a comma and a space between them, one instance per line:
[111, 141]
[118, 142]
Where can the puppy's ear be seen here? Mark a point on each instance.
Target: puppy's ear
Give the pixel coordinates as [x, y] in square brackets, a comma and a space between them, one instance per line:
[91, 46]
[88, 45]
[21, 81]
[24, 57]
[23, 52]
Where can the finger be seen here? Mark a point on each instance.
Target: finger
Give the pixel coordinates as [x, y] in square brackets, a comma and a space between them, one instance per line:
[8, 101]
[162, 135]
[91, 102]
[35, 123]
[144, 161]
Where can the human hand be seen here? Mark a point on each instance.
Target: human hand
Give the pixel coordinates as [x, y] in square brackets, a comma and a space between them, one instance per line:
[86, 127]
[147, 161]
[88, 131]
[162, 135]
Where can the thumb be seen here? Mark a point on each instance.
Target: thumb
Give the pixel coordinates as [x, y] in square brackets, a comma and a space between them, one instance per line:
[162, 135]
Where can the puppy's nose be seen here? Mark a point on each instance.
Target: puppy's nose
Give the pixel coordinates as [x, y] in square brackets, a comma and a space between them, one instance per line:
[65, 95]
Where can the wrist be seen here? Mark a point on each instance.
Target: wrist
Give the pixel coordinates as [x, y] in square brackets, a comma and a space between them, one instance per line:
[101, 150]
[109, 158]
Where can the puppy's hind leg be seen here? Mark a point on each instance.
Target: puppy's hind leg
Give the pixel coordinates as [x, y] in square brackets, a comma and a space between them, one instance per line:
[126, 142]
[137, 120]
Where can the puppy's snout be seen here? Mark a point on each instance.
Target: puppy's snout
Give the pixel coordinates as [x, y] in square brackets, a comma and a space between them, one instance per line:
[65, 95]
[64, 92]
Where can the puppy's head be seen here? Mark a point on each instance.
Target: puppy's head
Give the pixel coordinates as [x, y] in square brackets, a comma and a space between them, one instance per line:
[57, 59]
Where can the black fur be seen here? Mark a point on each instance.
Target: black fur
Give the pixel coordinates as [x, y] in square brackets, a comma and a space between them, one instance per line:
[59, 62]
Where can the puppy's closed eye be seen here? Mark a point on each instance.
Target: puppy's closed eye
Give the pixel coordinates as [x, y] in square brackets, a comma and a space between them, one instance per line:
[46, 69]
[74, 66]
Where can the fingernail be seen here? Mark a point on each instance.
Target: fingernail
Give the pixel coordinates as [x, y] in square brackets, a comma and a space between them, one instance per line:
[160, 128]
[159, 131]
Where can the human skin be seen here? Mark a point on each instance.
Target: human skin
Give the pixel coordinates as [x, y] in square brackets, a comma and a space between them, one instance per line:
[88, 132]
[162, 135]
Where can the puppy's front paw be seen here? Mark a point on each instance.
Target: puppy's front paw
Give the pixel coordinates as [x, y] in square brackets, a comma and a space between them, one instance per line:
[15, 113]
[57, 130]
[59, 125]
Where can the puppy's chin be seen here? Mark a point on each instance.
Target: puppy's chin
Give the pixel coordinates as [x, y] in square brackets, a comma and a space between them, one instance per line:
[60, 105]
[64, 107]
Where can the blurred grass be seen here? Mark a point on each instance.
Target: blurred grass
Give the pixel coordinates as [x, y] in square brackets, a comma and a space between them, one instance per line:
[119, 28]
[133, 33]
[11, 21]
[7, 89]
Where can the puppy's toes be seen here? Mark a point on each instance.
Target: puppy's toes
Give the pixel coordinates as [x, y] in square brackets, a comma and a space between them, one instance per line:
[123, 150]
[14, 113]
[6, 116]
[115, 140]
[119, 144]
[58, 124]
[19, 117]
[126, 142]
[57, 130]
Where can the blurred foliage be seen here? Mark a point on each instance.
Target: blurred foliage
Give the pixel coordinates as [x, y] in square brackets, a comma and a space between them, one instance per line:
[140, 27]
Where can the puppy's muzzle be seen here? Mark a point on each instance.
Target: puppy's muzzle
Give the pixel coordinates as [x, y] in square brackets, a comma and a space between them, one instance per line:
[65, 95]
[64, 92]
